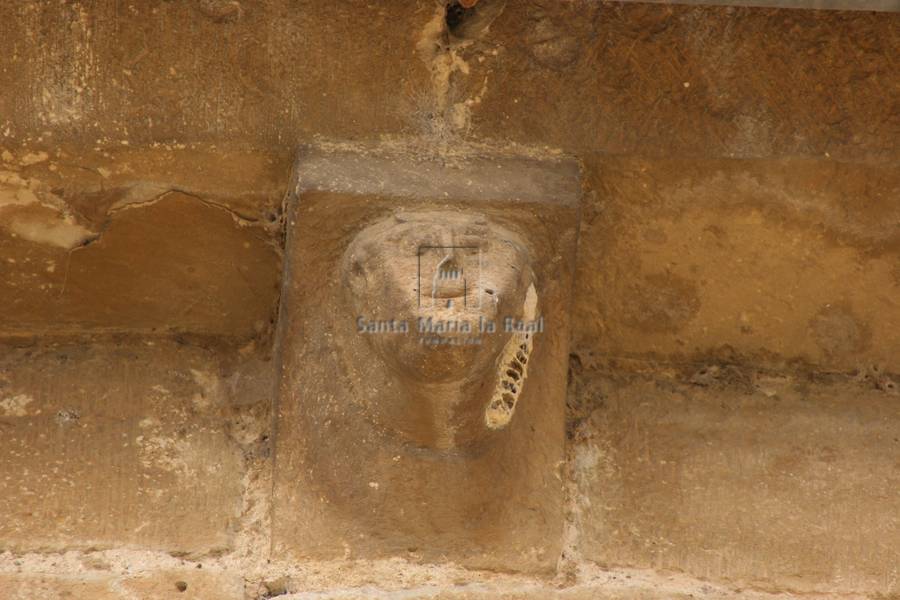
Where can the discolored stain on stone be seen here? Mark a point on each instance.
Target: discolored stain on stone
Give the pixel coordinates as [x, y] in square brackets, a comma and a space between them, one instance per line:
[551, 44]
[661, 302]
[766, 244]
[764, 488]
[156, 585]
[43, 225]
[220, 11]
[838, 332]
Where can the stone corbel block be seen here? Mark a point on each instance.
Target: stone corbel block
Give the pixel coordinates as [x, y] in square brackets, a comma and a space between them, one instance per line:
[423, 343]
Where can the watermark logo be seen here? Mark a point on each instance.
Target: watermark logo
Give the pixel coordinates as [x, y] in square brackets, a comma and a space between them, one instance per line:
[449, 298]
[449, 277]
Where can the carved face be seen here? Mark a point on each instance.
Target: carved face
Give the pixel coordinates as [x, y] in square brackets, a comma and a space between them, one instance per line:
[446, 276]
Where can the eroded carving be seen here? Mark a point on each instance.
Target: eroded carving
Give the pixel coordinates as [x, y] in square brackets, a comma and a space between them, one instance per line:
[447, 304]
[423, 355]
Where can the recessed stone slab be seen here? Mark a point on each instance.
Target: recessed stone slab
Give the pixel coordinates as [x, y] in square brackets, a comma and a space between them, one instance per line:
[159, 585]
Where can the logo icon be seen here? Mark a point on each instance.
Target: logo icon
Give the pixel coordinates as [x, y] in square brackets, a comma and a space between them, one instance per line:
[448, 277]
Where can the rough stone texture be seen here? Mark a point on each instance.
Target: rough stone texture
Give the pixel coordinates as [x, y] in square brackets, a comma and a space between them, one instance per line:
[749, 261]
[189, 112]
[591, 78]
[766, 482]
[256, 71]
[879, 5]
[474, 592]
[688, 81]
[584, 76]
[595, 584]
[136, 453]
[153, 241]
[166, 585]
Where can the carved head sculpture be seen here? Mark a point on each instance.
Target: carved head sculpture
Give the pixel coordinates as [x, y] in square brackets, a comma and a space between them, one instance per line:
[436, 288]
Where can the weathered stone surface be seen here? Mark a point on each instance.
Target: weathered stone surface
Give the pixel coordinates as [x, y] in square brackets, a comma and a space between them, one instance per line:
[137, 245]
[195, 584]
[535, 592]
[115, 445]
[388, 442]
[255, 71]
[549, 593]
[876, 5]
[688, 81]
[755, 261]
[535, 60]
[784, 485]
[164, 585]
[586, 76]
[595, 585]
[683, 261]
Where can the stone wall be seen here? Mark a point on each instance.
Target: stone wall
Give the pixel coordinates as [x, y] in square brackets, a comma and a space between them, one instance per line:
[733, 403]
